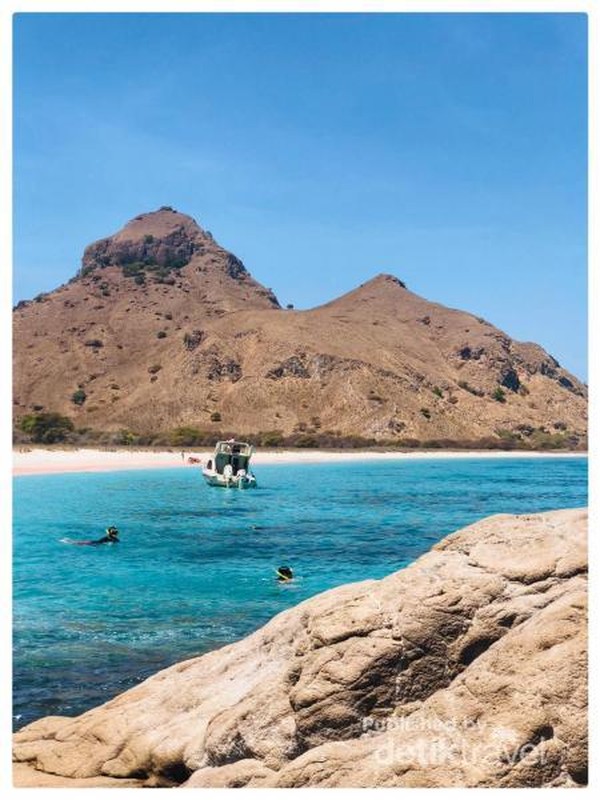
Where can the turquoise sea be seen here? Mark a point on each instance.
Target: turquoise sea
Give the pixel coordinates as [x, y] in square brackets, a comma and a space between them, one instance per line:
[195, 566]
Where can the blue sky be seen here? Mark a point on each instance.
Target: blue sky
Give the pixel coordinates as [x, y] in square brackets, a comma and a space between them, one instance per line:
[447, 149]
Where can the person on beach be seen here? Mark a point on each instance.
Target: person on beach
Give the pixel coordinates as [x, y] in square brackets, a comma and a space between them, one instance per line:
[284, 574]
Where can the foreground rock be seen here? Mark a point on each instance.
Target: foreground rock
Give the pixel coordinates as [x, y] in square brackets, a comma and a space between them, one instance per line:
[467, 668]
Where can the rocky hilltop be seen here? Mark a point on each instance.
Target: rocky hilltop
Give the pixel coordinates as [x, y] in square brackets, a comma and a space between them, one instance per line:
[164, 328]
[468, 668]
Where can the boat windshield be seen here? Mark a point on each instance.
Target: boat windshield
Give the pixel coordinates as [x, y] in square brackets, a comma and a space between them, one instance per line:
[237, 454]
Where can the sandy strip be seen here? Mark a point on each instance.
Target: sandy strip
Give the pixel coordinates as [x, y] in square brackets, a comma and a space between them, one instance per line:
[43, 462]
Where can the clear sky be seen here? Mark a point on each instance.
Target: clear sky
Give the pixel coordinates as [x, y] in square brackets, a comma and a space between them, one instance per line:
[447, 149]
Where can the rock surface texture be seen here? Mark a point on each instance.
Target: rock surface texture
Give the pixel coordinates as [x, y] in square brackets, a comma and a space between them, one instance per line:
[467, 668]
[162, 328]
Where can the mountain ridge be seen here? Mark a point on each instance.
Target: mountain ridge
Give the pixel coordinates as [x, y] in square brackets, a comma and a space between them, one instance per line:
[163, 327]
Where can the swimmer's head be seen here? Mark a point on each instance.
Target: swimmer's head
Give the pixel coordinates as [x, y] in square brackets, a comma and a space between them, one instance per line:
[284, 574]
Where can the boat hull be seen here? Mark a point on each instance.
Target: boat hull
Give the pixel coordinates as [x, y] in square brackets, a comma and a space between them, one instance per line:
[229, 481]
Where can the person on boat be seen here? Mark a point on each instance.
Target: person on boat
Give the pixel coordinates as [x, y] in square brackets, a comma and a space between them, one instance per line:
[284, 574]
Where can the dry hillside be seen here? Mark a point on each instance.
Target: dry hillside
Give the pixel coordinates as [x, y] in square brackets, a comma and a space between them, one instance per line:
[163, 327]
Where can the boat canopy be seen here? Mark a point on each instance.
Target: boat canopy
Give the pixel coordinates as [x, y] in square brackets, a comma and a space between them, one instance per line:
[237, 454]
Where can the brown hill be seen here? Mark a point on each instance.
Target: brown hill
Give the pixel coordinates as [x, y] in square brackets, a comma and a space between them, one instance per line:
[163, 328]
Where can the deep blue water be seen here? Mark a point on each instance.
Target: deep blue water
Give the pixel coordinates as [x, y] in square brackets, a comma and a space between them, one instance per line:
[195, 566]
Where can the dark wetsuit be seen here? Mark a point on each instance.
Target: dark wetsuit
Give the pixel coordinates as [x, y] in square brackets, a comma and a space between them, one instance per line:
[105, 540]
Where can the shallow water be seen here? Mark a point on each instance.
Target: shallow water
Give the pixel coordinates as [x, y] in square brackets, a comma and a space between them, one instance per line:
[195, 566]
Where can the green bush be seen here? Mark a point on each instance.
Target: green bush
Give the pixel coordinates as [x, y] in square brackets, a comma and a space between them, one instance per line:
[271, 439]
[124, 437]
[499, 395]
[306, 440]
[47, 428]
[437, 391]
[79, 397]
[186, 437]
[133, 269]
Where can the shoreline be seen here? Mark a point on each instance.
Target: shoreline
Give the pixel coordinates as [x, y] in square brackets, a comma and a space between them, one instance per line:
[41, 461]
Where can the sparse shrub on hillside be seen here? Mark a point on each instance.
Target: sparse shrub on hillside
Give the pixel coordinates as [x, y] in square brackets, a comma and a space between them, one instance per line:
[50, 428]
[132, 269]
[139, 279]
[148, 238]
[306, 440]
[161, 335]
[541, 440]
[193, 339]
[504, 433]
[186, 436]
[167, 280]
[468, 388]
[95, 343]
[437, 391]
[215, 417]
[124, 437]
[46, 428]
[79, 397]
[154, 369]
[168, 315]
[499, 395]
[426, 412]
[290, 306]
[175, 262]
[271, 439]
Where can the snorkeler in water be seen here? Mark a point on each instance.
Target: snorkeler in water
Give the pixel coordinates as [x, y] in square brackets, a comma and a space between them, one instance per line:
[284, 574]
[111, 537]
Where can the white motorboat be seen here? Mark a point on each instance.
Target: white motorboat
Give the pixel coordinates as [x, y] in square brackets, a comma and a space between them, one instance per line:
[230, 466]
